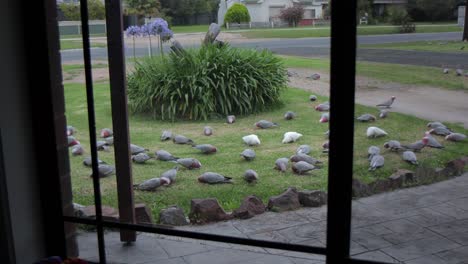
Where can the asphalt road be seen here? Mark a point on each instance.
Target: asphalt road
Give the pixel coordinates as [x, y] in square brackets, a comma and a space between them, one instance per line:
[320, 47]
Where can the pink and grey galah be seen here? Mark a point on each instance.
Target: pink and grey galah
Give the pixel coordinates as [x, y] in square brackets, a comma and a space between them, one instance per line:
[410, 157]
[264, 124]
[207, 131]
[324, 118]
[457, 137]
[281, 164]
[106, 132]
[189, 163]
[323, 107]
[206, 148]
[164, 155]
[302, 167]
[214, 178]
[152, 184]
[366, 118]
[376, 162]
[250, 176]
[388, 103]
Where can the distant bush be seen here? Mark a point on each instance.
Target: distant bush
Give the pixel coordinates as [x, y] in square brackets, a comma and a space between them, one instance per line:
[293, 15]
[399, 16]
[237, 13]
[210, 81]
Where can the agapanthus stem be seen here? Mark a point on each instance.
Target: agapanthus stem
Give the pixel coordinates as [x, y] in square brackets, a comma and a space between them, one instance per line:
[134, 57]
[150, 47]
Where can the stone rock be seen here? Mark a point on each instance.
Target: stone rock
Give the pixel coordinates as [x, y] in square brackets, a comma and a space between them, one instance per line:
[108, 213]
[400, 177]
[360, 189]
[207, 210]
[456, 167]
[312, 198]
[250, 207]
[380, 186]
[143, 214]
[173, 215]
[288, 200]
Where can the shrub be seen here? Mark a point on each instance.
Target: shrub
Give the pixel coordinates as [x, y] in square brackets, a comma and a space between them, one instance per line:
[399, 16]
[237, 13]
[293, 15]
[197, 84]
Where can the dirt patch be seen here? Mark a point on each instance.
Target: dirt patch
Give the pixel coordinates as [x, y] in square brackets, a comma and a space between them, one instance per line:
[78, 75]
[426, 102]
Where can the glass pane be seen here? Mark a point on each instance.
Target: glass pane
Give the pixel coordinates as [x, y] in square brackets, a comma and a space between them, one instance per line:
[410, 195]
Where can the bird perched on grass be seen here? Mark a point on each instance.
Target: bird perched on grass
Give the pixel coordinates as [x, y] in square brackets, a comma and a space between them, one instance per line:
[281, 164]
[106, 132]
[302, 167]
[303, 149]
[214, 178]
[231, 119]
[417, 146]
[264, 124]
[410, 157]
[372, 151]
[306, 158]
[189, 163]
[457, 137]
[376, 162]
[77, 150]
[393, 145]
[290, 137]
[135, 149]
[140, 158]
[250, 176]
[289, 115]
[206, 148]
[152, 184]
[313, 98]
[323, 107]
[324, 118]
[366, 118]
[180, 139]
[383, 113]
[314, 76]
[374, 132]
[388, 103]
[251, 140]
[164, 155]
[166, 135]
[248, 154]
[207, 131]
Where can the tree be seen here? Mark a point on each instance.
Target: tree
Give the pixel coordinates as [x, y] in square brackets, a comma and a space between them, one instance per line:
[293, 14]
[146, 8]
[432, 10]
[237, 13]
[96, 10]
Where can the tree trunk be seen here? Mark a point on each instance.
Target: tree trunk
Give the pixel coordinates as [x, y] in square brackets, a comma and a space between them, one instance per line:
[465, 27]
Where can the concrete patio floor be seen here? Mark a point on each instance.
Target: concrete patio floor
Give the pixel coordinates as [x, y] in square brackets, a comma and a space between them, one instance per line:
[421, 225]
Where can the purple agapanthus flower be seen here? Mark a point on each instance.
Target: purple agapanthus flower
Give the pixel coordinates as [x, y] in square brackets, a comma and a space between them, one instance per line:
[133, 31]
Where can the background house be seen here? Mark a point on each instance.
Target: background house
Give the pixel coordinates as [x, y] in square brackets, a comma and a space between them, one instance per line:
[267, 11]
[380, 5]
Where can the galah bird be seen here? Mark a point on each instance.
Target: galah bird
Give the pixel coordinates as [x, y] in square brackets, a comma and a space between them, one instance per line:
[445, 70]
[388, 103]
[72, 141]
[135, 149]
[140, 158]
[455, 137]
[106, 132]
[432, 142]
[417, 146]
[410, 157]
[393, 145]
[314, 76]
[302, 167]
[213, 178]
[459, 72]
[251, 140]
[366, 118]
[71, 130]
[322, 107]
[289, 115]
[189, 163]
[206, 148]
[325, 146]
[170, 174]
[306, 158]
[231, 119]
[281, 164]
[376, 162]
[372, 151]
[102, 145]
[77, 150]
[164, 155]
[383, 113]
[374, 132]
[87, 161]
[324, 118]
[327, 134]
[105, 170]
[248, 154]
[263, 124]
[303, 149]
[152, 184]
[290, 137]
[313, 98]
[207, 131]
[441, 131]
[166, 135]
[435, 124]
[109, 141]
[180, 139]
[250, 176]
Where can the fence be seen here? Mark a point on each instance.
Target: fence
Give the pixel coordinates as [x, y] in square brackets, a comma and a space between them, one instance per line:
[74, 27]
[275, 24]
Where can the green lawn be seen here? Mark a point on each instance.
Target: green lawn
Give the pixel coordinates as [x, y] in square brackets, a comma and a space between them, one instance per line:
[190, 29]
[227, 138]
[76, 36]
[406, 74]
[325, 32]
[435, 46]
[77, 44]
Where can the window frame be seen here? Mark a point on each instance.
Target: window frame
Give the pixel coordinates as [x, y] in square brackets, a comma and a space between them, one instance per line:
[342, 73]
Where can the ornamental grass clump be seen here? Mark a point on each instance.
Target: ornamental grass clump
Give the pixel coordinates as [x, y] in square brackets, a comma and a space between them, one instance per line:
[210, 81]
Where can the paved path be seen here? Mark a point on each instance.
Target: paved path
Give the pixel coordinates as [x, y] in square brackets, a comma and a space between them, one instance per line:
[420, 225]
